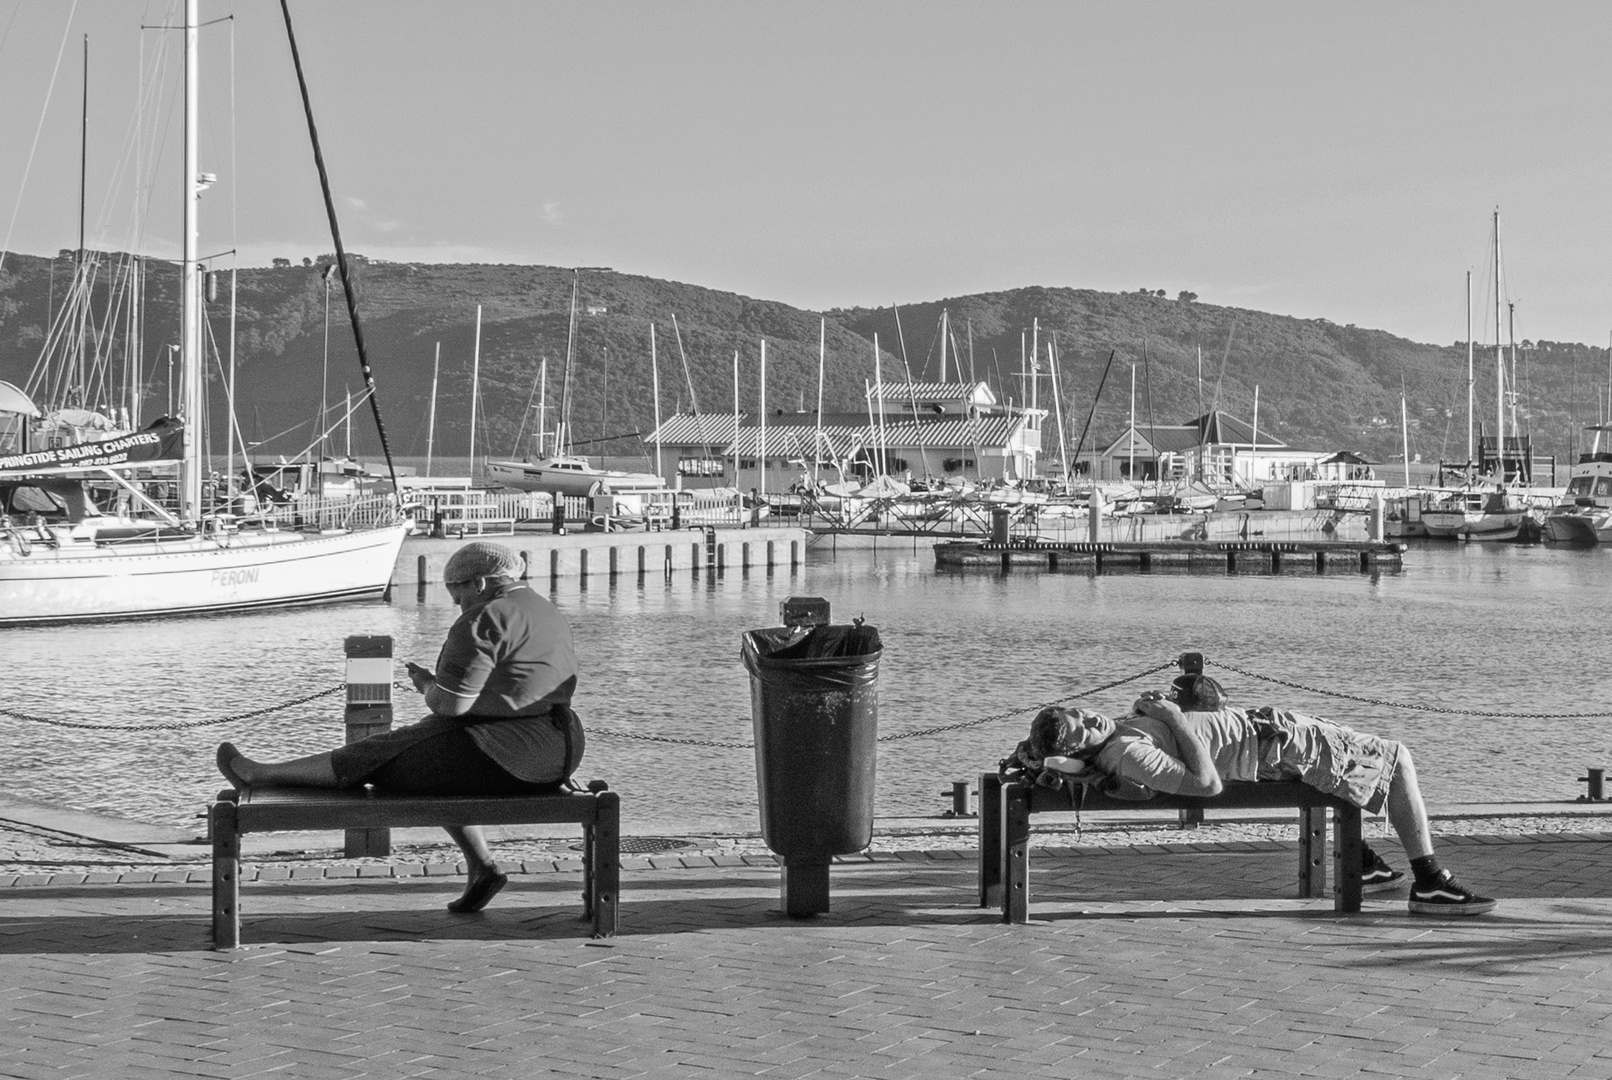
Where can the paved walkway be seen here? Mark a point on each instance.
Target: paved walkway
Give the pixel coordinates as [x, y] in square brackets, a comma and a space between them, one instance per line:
[1160, 961]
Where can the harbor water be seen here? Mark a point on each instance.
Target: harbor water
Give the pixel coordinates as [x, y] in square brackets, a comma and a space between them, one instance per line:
[1446, 653]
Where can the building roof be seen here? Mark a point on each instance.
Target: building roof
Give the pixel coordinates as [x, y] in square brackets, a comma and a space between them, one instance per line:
[793, 434]
[905, 393]
[1212, 429]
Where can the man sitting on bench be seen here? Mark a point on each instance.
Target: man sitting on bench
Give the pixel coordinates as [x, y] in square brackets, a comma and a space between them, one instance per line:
[501, 720]
[1189, 745]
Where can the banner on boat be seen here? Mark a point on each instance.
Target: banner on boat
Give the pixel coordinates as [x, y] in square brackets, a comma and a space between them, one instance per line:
[162, 442]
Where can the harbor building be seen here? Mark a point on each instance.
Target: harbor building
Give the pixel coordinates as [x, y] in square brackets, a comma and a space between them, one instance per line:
[918, 430]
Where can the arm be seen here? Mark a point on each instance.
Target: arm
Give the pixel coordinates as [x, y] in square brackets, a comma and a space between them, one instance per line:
[438, 700]
[1202, 778]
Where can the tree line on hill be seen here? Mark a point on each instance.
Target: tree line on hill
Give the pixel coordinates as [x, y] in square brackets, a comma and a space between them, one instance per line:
[1319, 384]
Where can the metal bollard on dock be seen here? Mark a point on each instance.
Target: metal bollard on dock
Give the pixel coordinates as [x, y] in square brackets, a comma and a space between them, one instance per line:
[1597, 781]
[962, 794]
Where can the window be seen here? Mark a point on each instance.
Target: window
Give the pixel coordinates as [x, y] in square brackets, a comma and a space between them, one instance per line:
[701, 467]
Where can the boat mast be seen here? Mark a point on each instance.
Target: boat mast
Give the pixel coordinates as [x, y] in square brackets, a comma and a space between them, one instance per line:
[475, 392]
[1132, 439]
[431, 424]
[817, 436]
[654, 376]
[1499, 366]
[1471, 385]
[190, 469]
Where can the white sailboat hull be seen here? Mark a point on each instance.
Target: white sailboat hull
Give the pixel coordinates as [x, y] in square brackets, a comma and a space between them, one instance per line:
[76, 581]
[568, 478]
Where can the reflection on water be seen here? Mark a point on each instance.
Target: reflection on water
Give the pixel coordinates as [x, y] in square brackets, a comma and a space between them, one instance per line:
[1492, 629]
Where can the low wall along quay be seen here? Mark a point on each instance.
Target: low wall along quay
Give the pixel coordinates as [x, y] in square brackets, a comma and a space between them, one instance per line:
[577, 555]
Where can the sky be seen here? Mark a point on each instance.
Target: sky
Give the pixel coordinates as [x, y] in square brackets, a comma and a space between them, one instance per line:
[1338, 161]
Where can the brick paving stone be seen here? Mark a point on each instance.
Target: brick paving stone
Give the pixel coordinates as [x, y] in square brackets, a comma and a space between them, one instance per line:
[1167, 965]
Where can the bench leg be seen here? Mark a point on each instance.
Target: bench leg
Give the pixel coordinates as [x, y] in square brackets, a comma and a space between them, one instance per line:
[1015, 841]
[605, 876]
[226, 876]
[1346, 845]
[1312, 851]
[990, 840]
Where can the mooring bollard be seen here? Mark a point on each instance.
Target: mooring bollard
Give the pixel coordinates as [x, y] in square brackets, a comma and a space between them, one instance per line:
[1597, 781]
[369, 712]
[962, 794]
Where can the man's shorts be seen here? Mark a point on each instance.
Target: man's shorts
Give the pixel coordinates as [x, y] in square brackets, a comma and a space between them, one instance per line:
[1327, 756]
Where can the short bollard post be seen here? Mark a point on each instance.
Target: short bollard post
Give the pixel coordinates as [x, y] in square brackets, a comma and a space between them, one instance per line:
[1596, 778]
[369, 712]
[962, 794]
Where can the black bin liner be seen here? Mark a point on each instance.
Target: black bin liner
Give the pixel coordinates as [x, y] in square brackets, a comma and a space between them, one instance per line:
[814, 706]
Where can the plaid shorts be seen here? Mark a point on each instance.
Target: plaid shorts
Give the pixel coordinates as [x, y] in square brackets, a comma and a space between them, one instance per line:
[1327, 756]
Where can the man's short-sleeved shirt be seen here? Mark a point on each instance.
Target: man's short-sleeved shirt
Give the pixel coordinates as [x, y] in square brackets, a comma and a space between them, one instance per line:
[1145, 751]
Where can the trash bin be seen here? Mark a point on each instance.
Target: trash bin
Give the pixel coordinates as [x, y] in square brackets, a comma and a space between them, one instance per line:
[814, 707]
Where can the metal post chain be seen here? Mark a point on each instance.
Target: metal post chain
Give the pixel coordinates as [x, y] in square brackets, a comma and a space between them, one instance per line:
[173, 725]
[1405, 705]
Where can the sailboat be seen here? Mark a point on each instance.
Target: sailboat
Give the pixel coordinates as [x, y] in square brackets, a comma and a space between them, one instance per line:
[552, 467]
[65, 559]
[1485, 510]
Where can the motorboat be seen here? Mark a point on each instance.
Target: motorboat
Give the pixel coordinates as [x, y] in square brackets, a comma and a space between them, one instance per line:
[1584, 516]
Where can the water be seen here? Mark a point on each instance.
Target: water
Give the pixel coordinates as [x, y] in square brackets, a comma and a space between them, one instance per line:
[1494, 629]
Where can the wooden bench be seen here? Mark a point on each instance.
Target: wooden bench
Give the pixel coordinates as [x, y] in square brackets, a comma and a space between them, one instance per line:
[597, 810]
[1004, 836]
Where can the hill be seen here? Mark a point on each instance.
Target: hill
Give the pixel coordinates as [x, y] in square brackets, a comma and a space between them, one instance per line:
[1319, 384]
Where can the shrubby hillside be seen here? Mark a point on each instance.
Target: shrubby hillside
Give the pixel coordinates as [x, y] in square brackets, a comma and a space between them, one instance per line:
[1319, 384]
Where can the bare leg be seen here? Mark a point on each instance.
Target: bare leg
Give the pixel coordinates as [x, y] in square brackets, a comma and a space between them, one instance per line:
[483, 878]
[473, 842]
[1406, 811]
[312, 771]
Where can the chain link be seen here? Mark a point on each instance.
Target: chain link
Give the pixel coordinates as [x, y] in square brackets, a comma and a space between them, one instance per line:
[175, 725]
[916, 733]
[1404, 705]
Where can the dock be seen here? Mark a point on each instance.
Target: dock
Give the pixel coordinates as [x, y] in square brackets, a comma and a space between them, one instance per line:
[1193, 556]
[551, 557]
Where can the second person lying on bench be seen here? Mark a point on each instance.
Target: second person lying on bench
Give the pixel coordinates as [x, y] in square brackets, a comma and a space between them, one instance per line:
[501, 720]
[1190, 746]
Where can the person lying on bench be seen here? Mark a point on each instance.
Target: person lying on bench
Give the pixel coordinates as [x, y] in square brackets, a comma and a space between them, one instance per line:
[501, 720]
[1189, 746]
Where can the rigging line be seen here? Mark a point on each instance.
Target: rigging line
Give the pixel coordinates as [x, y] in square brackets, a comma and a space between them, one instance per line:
[521, 430]
[341, 253]
[39, 128]
[1094, 399]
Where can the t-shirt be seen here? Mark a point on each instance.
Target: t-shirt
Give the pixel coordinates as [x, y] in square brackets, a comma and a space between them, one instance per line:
[512, 652]
[1145, 751]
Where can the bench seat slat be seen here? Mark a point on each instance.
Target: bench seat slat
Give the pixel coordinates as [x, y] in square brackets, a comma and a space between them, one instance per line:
[283, 811]
[598, 811]
[1006, 809]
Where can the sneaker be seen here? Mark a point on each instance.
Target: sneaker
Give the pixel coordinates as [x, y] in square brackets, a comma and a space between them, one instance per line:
[1448, 897]
[1380, 877]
